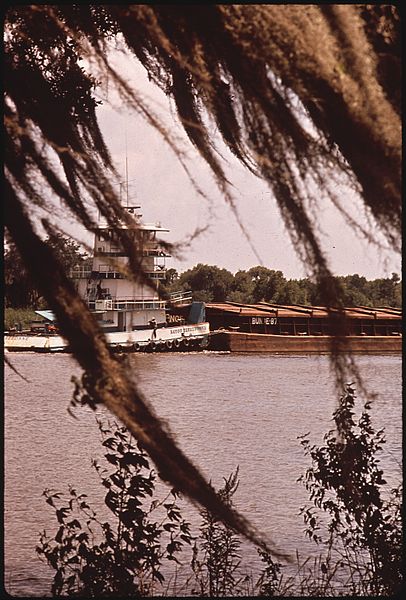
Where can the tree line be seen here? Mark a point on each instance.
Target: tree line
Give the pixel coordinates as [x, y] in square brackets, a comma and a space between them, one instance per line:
[20, 289]
[209, 283]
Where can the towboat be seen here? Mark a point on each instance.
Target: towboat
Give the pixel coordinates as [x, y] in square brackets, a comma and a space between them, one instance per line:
[130, 313]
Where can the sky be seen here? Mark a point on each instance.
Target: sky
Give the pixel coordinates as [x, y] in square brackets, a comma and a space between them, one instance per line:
[160, 185]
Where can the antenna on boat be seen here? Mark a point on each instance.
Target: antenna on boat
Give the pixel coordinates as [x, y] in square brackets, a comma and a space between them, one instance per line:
[126, 166]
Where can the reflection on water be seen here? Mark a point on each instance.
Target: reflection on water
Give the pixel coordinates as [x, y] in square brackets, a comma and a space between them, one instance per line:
[224, 410]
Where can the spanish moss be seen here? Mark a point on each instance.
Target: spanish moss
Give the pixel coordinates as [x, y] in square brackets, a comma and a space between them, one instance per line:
[262, 73]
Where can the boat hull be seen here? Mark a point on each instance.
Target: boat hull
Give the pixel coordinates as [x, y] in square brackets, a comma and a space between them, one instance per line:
[181, 338]
[235, 341]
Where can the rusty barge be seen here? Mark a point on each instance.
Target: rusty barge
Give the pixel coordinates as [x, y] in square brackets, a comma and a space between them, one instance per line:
[265, 327]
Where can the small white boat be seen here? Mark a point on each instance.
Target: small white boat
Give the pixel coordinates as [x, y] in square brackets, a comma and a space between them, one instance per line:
[131, 314]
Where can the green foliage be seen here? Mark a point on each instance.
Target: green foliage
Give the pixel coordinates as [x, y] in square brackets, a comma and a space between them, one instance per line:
[209, 283]
[266, 283]
[94, 558]
[260, 284]
[19, 316]
[20, 290]
[216, 553]
[67, 251]
[358, 291]
[345, 483]
[170, 283]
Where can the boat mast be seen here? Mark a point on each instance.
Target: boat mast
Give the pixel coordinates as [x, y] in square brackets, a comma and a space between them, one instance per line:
[126, 166]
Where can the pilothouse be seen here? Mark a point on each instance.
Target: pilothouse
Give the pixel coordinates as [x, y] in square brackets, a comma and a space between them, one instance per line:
[121, 303]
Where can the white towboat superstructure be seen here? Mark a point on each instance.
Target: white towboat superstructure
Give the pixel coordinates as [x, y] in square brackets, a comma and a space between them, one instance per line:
[131, 313]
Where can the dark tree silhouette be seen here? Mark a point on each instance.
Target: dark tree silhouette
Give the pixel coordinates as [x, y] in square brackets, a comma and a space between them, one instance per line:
[300, 94]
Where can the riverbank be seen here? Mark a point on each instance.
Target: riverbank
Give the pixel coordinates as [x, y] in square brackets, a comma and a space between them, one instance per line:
[18, 318]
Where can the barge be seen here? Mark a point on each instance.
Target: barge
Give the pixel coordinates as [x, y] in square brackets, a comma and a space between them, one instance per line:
[274, 328]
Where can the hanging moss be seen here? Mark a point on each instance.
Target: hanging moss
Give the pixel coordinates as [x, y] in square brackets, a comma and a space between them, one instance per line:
[249, 68]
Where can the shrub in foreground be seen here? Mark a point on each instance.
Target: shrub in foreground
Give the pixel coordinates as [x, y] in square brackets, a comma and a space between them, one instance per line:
[355, 524]
[122, 556]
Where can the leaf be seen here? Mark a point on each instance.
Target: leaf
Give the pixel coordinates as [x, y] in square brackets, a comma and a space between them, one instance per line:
[111, 500]
[74, 523]
[186, 538]
[111, 458]
[158, 576]
[61, 514]
[133, 504]
[73, 560]
[59, 535]
[130, 458]
[109, 443]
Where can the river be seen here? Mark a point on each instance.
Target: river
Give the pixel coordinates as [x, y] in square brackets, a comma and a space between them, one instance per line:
[224, 410]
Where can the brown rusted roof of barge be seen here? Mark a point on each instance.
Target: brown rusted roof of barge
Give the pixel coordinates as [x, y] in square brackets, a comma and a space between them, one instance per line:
[301, 310]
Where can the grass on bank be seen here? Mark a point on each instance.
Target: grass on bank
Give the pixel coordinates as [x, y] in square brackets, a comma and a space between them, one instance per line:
[19, 316]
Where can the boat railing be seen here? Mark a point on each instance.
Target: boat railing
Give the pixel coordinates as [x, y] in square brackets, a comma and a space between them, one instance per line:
[80, 272]
[110, 275]
[86, 273]
[161, 274]
[126, 304]
[181, 297]
[138, 304]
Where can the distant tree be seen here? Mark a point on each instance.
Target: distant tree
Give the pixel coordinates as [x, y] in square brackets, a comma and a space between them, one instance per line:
[208, 282]
[354, 297]
[170, 284]
[356, 281]
[171, 277]
[310, 292]
[386, 291]
[397, 290]
[259, 284]
[358, 291]
[68, 252]
[19, 288]
[355, 290]
[291, 292]
[267, 283]
[242, 288]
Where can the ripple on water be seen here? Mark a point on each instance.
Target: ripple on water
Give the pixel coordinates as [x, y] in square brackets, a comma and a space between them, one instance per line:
[224, 410]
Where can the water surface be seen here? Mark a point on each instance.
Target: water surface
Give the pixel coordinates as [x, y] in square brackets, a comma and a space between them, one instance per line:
[224, 410]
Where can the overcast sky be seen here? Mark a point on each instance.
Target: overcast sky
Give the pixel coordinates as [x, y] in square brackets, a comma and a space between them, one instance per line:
[159, 184]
